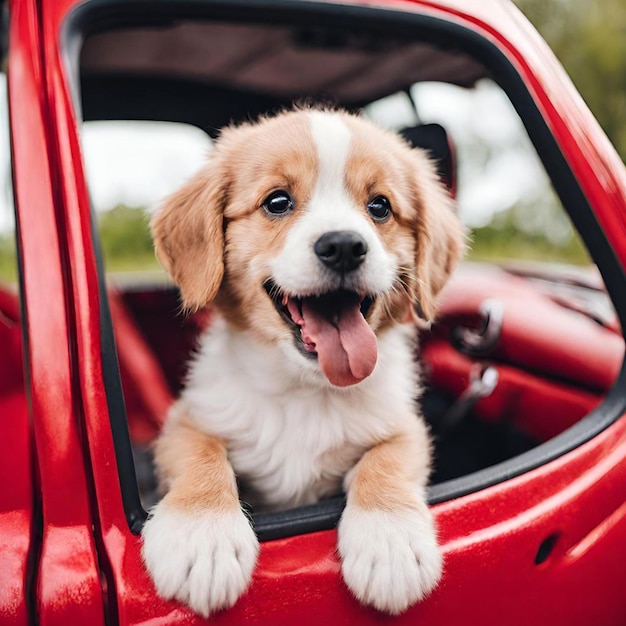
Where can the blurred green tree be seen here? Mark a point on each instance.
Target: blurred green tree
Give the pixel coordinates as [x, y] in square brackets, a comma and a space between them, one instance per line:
[125, 239]
[8, 264]
[589, 38]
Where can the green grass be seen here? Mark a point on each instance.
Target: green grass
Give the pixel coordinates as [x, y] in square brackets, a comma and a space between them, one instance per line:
[487, 245]
[8, 260]
[134, 263]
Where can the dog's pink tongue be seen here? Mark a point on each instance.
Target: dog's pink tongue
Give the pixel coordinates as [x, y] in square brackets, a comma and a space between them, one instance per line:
[345, 344]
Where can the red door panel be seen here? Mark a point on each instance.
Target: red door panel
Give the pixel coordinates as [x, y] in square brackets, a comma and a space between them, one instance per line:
[66, 573]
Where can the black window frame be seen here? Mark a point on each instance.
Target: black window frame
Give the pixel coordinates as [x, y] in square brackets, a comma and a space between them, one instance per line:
[97, 15]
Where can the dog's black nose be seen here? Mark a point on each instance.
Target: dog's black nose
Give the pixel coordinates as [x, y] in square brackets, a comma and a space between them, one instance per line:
[341, 250]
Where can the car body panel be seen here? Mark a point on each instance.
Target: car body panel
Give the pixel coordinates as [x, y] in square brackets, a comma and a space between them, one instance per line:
[17, 498]
[491, 538]
[67, 580]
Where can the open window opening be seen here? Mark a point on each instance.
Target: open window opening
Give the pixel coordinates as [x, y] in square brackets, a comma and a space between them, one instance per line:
[507, 387]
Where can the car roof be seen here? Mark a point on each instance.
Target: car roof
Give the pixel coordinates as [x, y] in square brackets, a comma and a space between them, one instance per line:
[282, 60]
[210, 72]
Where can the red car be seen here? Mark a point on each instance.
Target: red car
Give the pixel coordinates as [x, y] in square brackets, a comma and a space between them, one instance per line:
[526, 391]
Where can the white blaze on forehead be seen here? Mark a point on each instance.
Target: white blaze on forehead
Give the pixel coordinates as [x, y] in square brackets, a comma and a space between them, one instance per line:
[332, 141]
[331, 207]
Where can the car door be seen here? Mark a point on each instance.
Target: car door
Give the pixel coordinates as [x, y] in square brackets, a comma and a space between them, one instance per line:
[522, 542]
[63, 570]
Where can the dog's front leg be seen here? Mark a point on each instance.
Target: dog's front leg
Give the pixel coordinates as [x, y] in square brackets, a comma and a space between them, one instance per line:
[387, 541]
[198, 544]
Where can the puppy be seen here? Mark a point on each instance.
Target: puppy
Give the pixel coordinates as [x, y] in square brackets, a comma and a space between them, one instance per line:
[315, 235]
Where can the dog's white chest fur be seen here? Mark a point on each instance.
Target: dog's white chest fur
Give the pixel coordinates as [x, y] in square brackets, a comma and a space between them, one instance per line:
[292, 439]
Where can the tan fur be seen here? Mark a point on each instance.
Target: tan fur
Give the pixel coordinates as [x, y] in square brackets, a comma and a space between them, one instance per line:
[440, 236]
[387, 475]
[188, 235]
[194, 468]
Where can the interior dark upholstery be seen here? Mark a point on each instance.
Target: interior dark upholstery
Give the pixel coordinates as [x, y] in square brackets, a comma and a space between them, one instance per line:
[434, 139]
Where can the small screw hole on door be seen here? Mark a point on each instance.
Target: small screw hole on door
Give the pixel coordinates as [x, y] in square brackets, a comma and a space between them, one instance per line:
[545, 549]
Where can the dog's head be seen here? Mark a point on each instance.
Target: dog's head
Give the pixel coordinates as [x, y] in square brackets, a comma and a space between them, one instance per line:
[314, 230]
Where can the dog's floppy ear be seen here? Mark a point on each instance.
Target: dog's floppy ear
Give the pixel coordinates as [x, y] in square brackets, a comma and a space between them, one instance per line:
[188, 235]
[440, 238]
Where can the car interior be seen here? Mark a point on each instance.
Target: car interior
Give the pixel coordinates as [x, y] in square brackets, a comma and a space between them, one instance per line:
[519, 357]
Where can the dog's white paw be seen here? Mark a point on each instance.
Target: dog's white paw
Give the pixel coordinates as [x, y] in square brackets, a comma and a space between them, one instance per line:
[389, 560]
[204, 560]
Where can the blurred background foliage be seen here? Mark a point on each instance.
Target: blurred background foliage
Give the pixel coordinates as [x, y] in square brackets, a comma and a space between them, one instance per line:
[125, 238]
[8, 268]
[589, 38]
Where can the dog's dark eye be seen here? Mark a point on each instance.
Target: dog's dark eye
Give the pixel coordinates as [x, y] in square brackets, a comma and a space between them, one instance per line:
[278, 203]
[379, 208]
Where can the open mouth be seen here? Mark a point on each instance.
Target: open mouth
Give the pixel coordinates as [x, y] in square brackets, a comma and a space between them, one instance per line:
[330, 306]
[331, 327]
